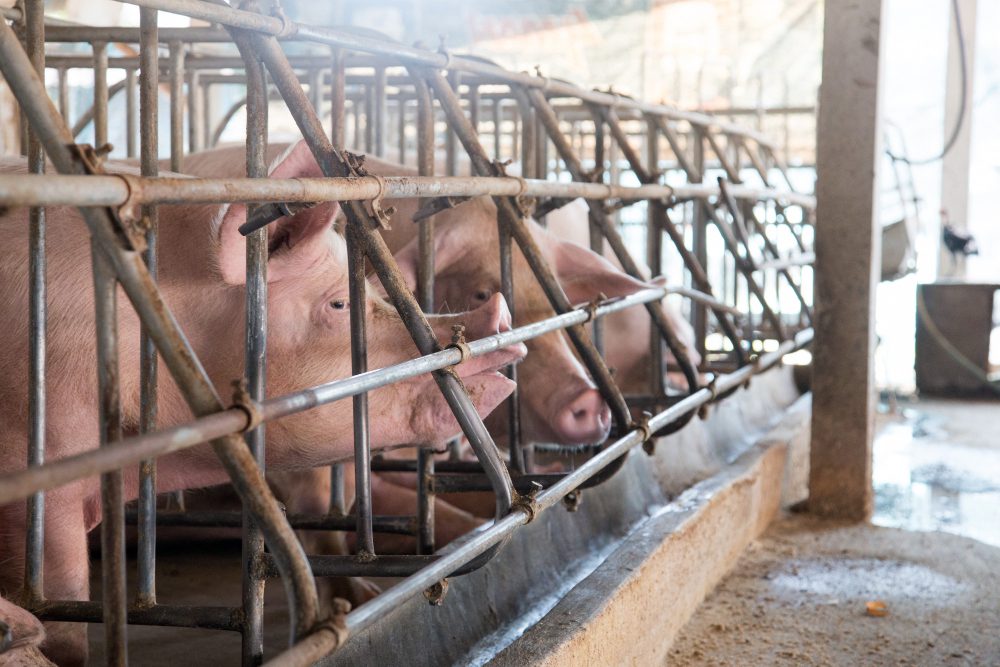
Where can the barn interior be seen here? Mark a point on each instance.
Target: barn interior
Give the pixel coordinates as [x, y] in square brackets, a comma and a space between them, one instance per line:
[440, 332]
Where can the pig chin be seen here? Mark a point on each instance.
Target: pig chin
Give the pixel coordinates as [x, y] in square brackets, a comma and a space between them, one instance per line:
[433, 421]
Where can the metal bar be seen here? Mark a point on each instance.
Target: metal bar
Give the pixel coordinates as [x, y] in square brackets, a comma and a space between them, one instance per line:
[156, 317]
[113, 589]
[34, 556]
[17, 485]
[378, 108]
[131, 112]
[450, 152]
[212, 618]
[359, 364]
[176, 105]
[194, 110]
[425, 296]
[148, 363]
[100, 94]
[656, 220]
[63, 93]
[255, 355]
[462, 551]
[337, 97]
[402, 525]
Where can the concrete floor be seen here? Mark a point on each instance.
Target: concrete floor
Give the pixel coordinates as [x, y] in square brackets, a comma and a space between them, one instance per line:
[937, 467]
[798, 595]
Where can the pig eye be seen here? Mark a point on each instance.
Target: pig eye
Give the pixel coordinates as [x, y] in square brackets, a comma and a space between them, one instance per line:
[340, 305]
[483, 295]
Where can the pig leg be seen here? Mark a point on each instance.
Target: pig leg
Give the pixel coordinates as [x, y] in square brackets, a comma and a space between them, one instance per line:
[27, 633]
[65, 567]
[308, 492]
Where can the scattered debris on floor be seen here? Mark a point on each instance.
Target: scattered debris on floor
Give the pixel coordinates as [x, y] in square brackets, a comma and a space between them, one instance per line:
[805, 594]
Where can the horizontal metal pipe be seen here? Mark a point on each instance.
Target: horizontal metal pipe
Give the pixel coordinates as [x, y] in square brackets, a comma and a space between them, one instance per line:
[116, 190]
[800, 259]
[272, 25]
[178, 616]
[401, 525]
[461, 551]
[14, 486]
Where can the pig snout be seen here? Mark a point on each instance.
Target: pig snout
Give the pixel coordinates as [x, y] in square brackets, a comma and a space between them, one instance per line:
[491, 318]
[585, 419]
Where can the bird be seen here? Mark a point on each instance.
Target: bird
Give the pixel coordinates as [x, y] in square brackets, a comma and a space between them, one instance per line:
[959, 243]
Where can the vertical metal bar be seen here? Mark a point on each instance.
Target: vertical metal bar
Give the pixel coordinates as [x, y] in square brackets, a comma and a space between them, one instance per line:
[176, 105]
[596, 236]
[255, 354]
[63, 93]
[100, 94]
[699, 232]
[338, 98]
[450, 144]
[517, 455]
[401, 118]
[205, 96]
[379, 110]
[497, 111]
[359, 364]
[149, 81]
[656, 220]
[112, 507]
[315, 77]
[369, 99]
[425, 297]
[131, 112]
[194, 115]
[37, 316]
[528, 137]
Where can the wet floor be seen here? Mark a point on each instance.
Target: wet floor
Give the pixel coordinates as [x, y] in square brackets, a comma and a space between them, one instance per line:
[937, 467]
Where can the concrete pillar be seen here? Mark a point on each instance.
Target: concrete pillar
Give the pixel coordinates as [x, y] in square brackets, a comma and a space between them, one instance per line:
[955, 164]
[848, 247]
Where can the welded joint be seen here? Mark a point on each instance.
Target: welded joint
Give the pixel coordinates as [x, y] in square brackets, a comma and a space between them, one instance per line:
[130, 211]
[443, 50]
[242, 401]
[336, 624]
[526, 502]
[288, 27]
[642, 426]
[92, 159]
[525, 204]
[436, 593]
[592, 306]
[382, 215]
[713, 389]
[459, 343]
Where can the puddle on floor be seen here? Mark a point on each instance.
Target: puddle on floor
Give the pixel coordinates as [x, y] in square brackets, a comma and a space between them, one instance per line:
[835, 580]
[938, 468]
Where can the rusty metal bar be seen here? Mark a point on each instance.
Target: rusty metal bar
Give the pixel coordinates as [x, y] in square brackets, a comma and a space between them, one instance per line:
[131, 112]
[155, 316]
[113, 588]
[148, 362]
[176, 105]
[255, 357]
[34, 556]
[100, 94]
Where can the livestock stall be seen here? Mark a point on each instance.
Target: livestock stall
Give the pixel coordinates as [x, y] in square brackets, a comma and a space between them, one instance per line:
[706, 205]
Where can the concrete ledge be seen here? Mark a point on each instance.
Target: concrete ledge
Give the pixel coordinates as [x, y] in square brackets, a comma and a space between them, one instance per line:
[630, 609]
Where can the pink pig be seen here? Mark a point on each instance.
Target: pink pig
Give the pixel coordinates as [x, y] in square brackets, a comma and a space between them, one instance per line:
[26, 634]
[202, 262]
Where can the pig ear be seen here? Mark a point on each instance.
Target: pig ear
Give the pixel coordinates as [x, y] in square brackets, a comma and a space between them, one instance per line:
[293, 241]
[585, 275]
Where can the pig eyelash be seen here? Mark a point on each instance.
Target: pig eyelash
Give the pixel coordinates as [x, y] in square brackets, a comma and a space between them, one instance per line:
[340, 305]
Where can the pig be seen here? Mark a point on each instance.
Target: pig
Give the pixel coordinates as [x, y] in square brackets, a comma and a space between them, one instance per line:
[26, 634]
[202, 269]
